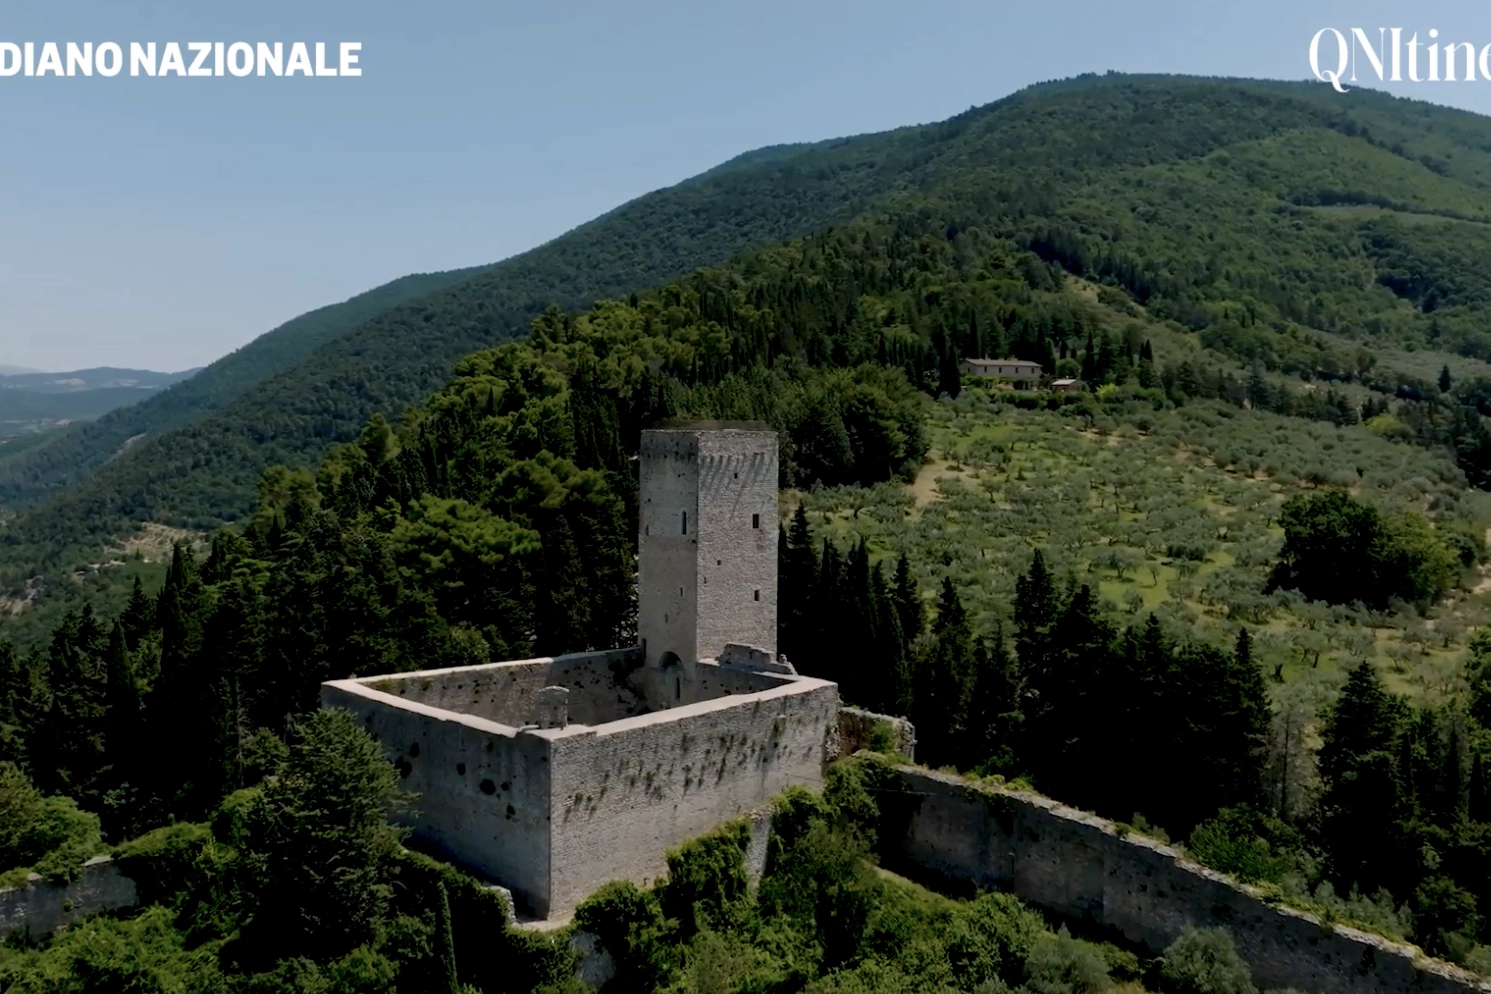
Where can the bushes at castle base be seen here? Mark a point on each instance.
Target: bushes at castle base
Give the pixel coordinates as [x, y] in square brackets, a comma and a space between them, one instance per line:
[1060, 964]
[993, 937]
[629, 922]
[50, 835]
[1204, 961]
[706, 878]
[100, 955]
[1250, 845]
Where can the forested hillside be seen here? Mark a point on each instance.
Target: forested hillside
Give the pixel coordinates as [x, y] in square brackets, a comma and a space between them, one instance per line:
[1235, 589]
[71, 456]
[197, 471]
[1171, 188]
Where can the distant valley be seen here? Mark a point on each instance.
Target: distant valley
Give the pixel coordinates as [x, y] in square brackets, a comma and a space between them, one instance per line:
[33, 401]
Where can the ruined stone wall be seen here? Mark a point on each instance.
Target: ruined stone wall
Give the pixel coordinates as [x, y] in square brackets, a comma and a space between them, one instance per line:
[626, 793]
[40, 908]
[483, 787]
[713, 680]
[1078, 865]
[856, 726]
[600, 687]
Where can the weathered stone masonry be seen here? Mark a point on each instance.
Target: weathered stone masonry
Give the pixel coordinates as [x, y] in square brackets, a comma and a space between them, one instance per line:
[1079, 865]
[39, 908]
[556, 776]
[554, 813]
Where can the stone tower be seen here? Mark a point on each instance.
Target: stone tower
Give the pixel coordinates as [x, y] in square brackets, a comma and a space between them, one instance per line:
[707, 564]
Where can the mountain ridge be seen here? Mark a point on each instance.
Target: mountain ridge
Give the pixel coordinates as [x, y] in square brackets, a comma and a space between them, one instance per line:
[1110, 176]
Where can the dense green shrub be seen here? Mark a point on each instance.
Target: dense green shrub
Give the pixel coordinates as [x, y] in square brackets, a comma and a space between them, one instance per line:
[1204, 961]
[1060, 964]
[1249, 844]
[706, 876]
[1339, 550]
[50, 835]
[629, 922]
[142, 955]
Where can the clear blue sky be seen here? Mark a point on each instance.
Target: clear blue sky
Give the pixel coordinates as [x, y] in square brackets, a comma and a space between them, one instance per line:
[165, 222]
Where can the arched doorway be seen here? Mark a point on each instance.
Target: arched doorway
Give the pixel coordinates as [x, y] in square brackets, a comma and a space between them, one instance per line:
[672, 671]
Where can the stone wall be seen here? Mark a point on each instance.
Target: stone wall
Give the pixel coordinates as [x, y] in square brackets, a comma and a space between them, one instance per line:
[626, 793]
[1080, 866]
[712, 681]
[40, 908]
[482, 788]
[856, 726]
[600, 686]
[554, 813]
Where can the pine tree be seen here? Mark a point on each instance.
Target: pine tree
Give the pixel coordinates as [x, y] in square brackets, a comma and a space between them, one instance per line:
[1363, 800]
[941, 704]
[992, 708]
[1445, 379]
[138, 618]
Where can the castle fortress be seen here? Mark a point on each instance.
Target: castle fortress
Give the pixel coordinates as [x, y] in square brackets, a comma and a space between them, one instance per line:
[555, 776]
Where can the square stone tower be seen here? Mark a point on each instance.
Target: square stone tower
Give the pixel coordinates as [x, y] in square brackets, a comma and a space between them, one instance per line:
[707, 564]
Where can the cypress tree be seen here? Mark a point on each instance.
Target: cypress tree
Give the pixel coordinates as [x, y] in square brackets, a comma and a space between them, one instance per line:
[445, 944]
[797, 586]
[949, 376]
[1362, 802]
[1037, 605]
[561, 621]
[896, 698]
[941, 704]
[70, 752]
[867, 682]
[125, 703]
[16, 698]
[910, 610]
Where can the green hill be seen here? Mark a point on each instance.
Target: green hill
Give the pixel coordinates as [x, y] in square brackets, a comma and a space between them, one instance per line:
[1286, 226]
[1235, 587]
[72, 455]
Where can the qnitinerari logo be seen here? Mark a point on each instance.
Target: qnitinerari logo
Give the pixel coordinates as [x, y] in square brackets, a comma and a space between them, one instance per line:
[191, 58]
[1336, 57]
